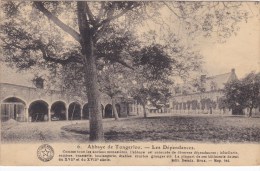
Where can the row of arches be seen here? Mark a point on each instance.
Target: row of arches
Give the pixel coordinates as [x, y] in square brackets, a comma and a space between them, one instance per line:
[39, 110]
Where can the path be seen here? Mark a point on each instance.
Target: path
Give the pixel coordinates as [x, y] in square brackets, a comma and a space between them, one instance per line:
[16, 132]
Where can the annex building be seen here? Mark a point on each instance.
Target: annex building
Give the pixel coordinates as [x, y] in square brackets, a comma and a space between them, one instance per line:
[203, 98]
[36, 104]
[206, 97]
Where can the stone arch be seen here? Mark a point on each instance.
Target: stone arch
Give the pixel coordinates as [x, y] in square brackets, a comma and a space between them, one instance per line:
[13, 99]
[58, 111]
[38, 111]
[118, 109]
[74, 111]
[13, 108]
[108, 111]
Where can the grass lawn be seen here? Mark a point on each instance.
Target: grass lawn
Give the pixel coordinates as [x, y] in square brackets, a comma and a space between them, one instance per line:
[178, 128]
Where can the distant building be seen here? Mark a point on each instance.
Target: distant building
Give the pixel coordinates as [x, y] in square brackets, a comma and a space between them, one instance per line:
[202, 96]
[36, 104]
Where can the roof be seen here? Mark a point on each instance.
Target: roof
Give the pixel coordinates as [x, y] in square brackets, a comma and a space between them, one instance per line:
[216, 82]
[219, 81]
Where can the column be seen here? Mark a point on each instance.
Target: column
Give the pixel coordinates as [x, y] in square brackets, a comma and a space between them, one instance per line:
[200, 108]
[137, 108]
[49, 114]
[26, 114]
[130, 109]
[134, 109]
[67, 113]
[81, 113]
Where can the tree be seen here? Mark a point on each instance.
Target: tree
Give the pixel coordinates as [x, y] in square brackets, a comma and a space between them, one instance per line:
[244, 93]
[112, 76]
[54, 34]
[22, 42]
[152, 79]
[157, 95]
[112, 80]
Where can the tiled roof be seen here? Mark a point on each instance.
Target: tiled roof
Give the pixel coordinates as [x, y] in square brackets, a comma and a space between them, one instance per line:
[216, 82]
[220, 80]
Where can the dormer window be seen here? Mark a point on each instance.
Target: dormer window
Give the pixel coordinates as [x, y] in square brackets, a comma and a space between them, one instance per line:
[213, 86]
[38, 82]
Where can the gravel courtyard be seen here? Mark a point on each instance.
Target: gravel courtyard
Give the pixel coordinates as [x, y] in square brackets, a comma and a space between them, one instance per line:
[190, 128]
[19, 132]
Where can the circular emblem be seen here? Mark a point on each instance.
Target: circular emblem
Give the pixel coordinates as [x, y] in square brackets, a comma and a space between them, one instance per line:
[45, 152]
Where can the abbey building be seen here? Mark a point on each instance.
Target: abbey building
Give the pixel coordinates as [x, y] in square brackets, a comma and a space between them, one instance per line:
[202, 97]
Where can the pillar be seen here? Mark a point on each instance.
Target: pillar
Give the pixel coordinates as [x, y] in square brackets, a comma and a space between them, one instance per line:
[67, 113]
[26, 114]
[81, 113]
[49, 114]
[130, 109]
[137, 108]
[102, 110]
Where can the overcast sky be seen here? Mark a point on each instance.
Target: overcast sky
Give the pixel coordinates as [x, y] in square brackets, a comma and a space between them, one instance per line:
[241, 52]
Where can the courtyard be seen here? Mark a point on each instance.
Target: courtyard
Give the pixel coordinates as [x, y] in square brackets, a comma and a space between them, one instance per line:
[176, 128]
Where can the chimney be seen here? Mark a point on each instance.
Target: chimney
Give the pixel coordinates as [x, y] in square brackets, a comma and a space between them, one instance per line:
[203, 78]
[202, 83]
[232, 76]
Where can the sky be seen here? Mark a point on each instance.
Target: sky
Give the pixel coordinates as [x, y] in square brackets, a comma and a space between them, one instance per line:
[240, 52]
[10, 75]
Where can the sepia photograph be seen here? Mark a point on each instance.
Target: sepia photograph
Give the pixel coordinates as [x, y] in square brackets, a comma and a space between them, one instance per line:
[130, 82]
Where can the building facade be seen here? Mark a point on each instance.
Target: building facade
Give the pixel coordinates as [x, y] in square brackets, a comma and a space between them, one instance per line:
[36, 104]
[205, 97]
